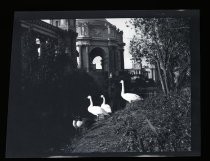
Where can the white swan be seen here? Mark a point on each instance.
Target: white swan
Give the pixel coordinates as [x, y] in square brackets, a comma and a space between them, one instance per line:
[96, 110]
[106, 107]
[130, 97]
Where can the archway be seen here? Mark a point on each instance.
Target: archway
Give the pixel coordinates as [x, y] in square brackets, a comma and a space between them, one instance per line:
[96, 57]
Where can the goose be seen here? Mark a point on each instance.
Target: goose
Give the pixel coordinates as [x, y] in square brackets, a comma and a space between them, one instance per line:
[77, 124]
[104, 106]
[96, 110]
[130, 97]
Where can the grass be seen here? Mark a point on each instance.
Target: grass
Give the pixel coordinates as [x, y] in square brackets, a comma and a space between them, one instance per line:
[157, 124]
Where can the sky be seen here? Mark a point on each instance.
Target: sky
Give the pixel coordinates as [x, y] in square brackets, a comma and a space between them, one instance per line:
[128, 33]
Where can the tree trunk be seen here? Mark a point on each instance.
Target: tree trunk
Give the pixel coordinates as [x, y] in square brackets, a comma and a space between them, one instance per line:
[160, 76]
[171, 80]
[165, 80]
[160, 66]
[181, 77]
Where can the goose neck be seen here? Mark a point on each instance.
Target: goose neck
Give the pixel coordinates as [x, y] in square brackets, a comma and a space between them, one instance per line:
[103, 100]
[123, 88]
[91, 102]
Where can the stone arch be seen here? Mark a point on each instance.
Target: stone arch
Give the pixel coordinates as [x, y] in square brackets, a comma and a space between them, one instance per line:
[97, 52]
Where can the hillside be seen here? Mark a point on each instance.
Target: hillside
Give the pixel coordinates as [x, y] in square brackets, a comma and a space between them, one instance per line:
[157, 124]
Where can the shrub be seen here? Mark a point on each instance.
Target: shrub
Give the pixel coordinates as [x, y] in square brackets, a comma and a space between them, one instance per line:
[158, 124]
[44, 117]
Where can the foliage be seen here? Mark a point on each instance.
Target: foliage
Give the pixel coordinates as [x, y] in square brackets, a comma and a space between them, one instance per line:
[143, 82]
[46, 111]
[159, 124]
[52, 93]
[164, 42]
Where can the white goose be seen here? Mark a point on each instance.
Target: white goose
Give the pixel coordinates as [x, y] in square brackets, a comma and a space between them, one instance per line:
[130, 97]
[77, 124]
[96, 110]
[106, 107]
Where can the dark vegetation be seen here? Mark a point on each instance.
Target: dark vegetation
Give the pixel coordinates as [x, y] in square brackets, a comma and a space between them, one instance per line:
[41, 119]
[165, 43]
[44, 117]
[158, 124]
[145, 87]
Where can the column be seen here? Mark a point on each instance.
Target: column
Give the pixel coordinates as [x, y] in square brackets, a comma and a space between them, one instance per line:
[62, 22]
[42, 46]
[114, 59]
[110, 59]
[80, 56]
[109, 30]
[122, 60]
[87, 56]
[119, 60]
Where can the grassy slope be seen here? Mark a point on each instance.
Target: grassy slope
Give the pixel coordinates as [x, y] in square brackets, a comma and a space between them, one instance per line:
[154, 125]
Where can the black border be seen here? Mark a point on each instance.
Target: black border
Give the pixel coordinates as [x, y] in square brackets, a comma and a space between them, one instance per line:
[196, 126]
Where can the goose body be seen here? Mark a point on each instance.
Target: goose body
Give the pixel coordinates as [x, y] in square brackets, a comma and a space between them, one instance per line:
[96, 110]
[130, 97]
[74, 123]
[79, 123]
[104, 106]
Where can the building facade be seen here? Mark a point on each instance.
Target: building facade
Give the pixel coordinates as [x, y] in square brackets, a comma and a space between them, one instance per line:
[41, 43]
[143, 68]
[99, 38]
[96, 38]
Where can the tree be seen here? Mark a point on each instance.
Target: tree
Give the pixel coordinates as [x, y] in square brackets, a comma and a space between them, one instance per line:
[165, 43]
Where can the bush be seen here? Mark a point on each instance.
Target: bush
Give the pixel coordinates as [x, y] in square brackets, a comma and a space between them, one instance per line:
[158, 124]
[172, 118]
[43, 120]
